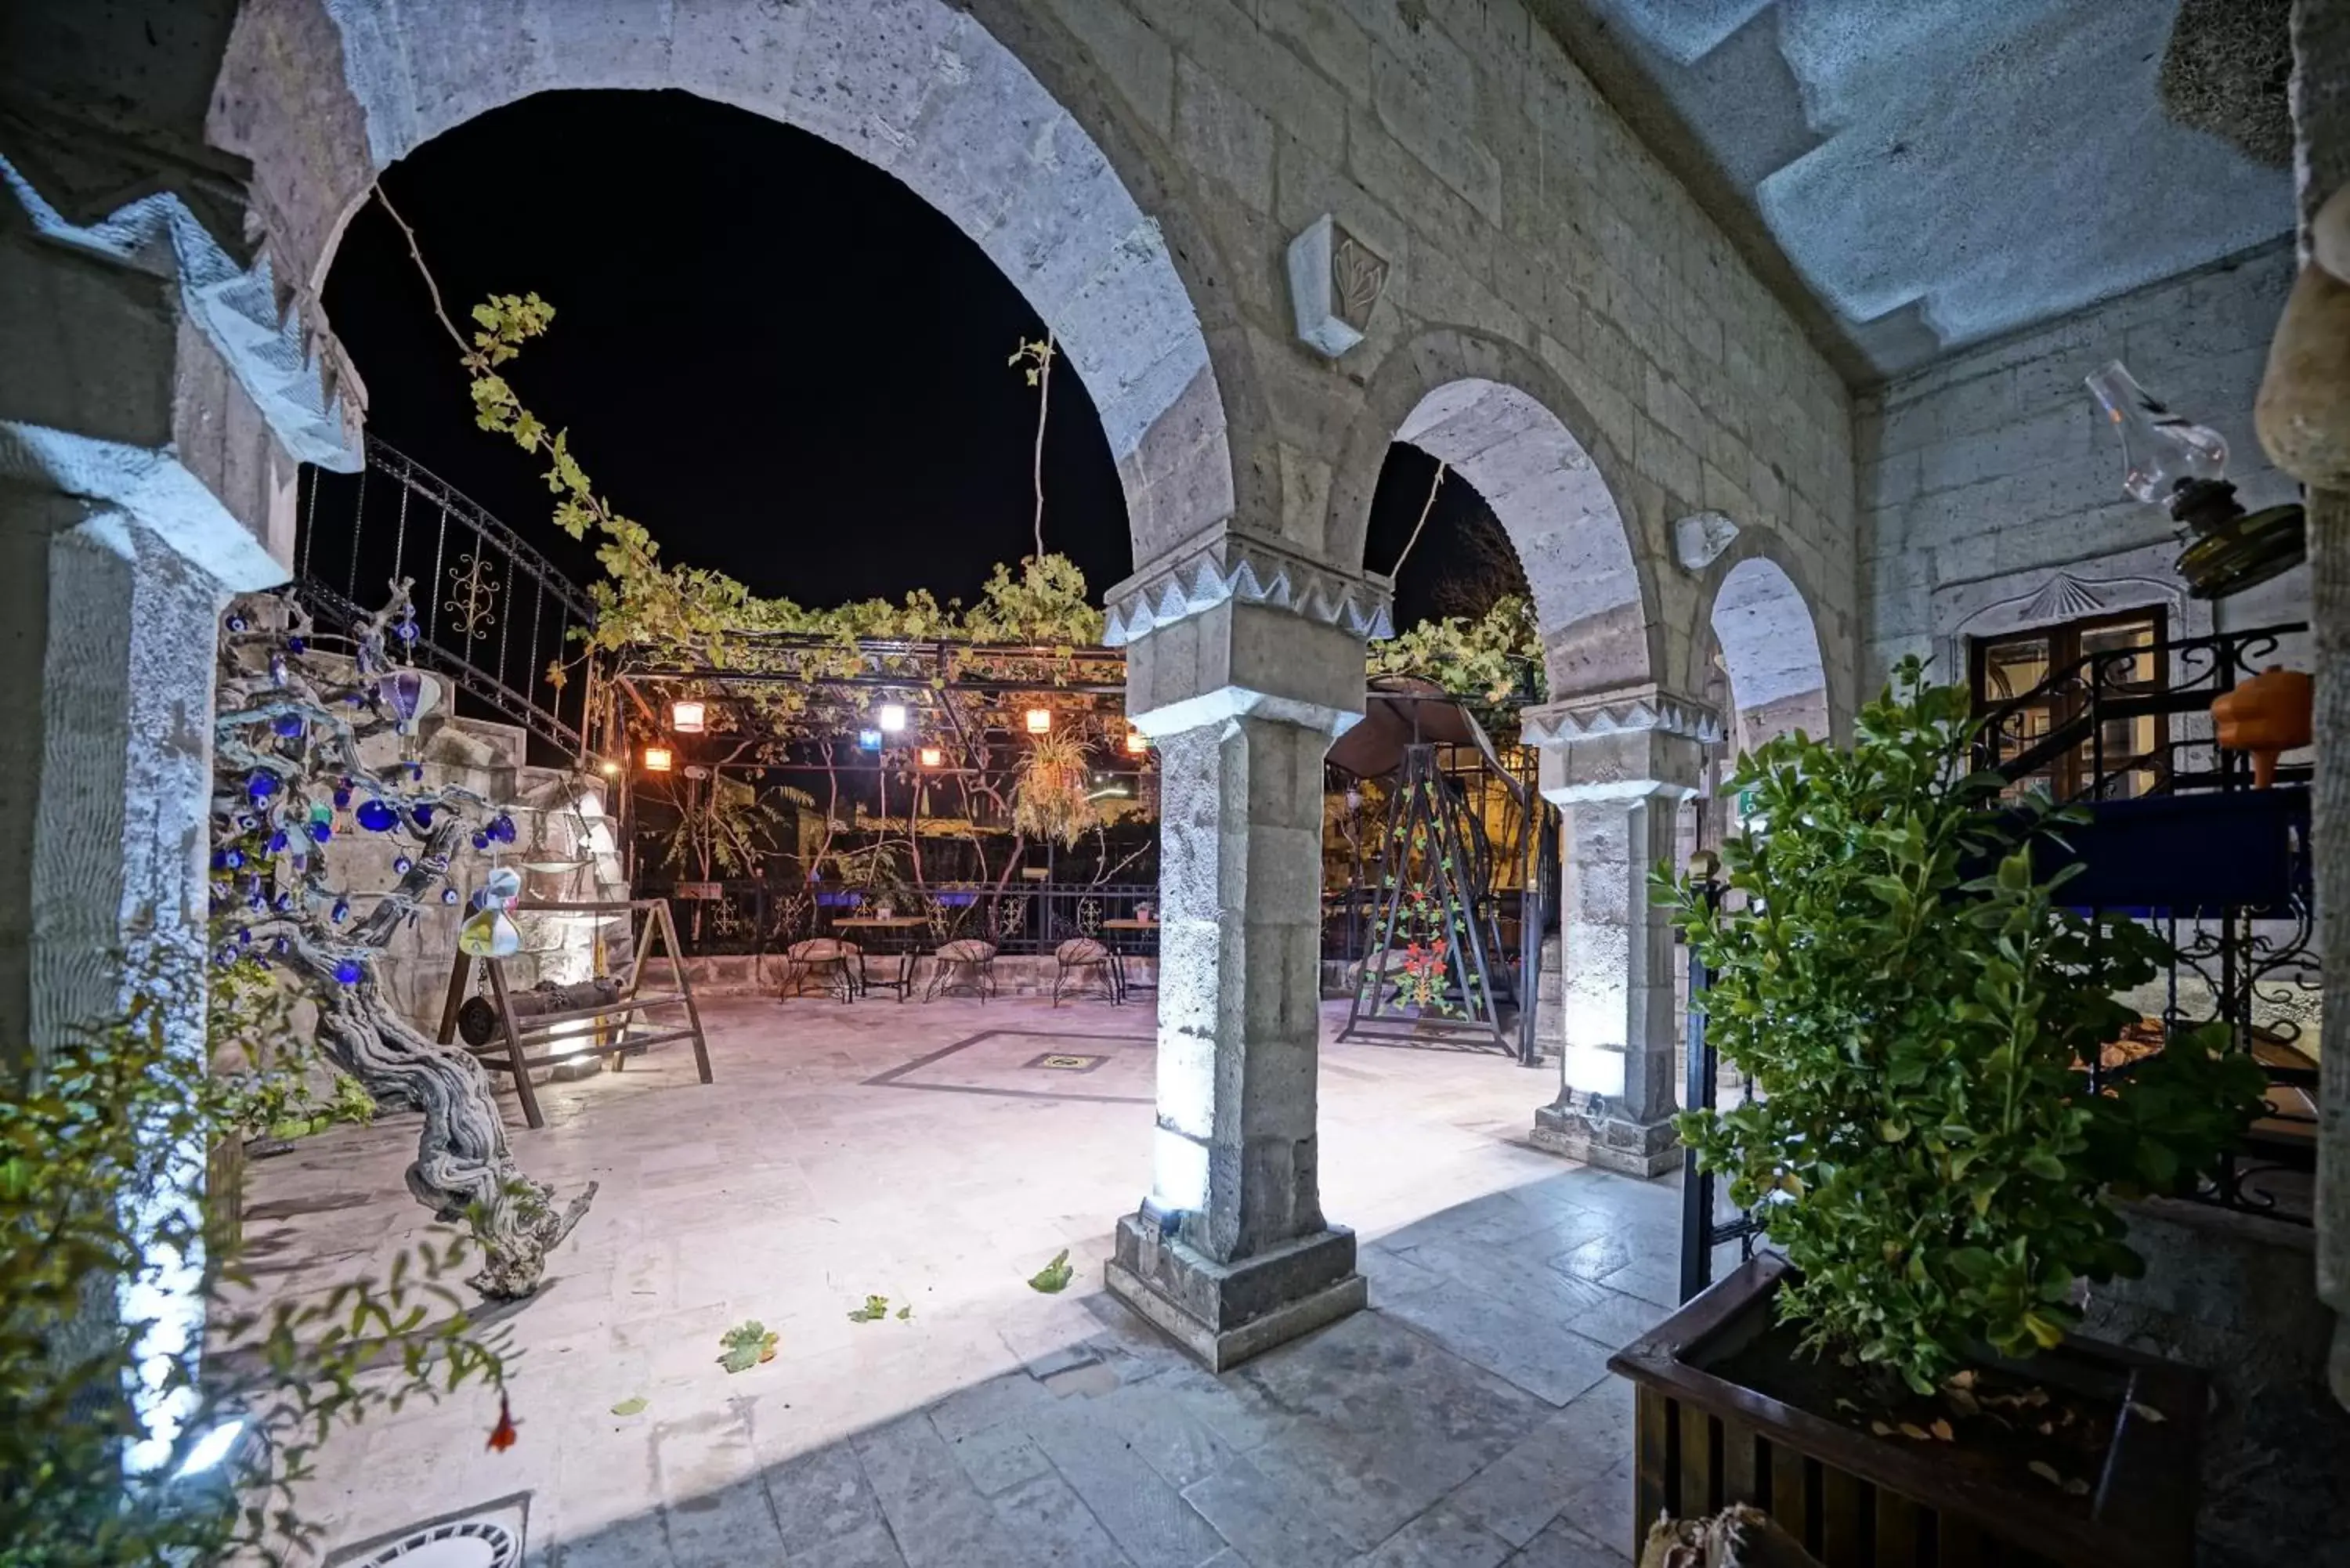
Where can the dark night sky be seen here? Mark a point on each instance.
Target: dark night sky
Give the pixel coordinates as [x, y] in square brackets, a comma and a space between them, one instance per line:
[770, 353]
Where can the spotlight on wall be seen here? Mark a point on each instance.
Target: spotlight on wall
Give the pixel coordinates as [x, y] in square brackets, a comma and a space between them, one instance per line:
[1040, 720]
[869, 739]
[658, 759]
[687, 716]
[932, 757]
[892, 717]
[1136, 742]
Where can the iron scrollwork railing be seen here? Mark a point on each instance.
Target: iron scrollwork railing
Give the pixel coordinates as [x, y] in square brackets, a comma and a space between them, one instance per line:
[493, 613]
[2221, 869]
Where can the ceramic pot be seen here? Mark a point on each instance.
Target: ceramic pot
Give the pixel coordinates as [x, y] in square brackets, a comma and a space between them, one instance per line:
[2269, 714]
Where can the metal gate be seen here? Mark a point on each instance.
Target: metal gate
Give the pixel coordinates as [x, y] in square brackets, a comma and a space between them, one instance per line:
[1703, 1227]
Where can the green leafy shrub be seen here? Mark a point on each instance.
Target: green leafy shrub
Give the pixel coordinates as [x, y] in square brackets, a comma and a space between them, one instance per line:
[1922, 1143]
[104, 1247]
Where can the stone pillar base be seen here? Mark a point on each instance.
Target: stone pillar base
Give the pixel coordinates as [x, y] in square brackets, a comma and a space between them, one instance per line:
[1222, 1314]
[1592, 1134]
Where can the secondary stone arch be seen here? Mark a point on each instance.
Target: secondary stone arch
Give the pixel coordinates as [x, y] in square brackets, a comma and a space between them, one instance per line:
[1509, 427]
[1763, 624]
[322, 95]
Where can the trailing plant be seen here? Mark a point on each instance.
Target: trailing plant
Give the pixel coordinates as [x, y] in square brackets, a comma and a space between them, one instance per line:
[115, 1440]
[1053, 799]
[1490, 662]
[1915, 1005]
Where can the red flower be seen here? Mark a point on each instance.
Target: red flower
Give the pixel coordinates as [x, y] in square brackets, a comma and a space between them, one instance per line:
[502, 1436]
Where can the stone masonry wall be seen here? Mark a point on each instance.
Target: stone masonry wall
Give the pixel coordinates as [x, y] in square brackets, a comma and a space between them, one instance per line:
[1983, 476]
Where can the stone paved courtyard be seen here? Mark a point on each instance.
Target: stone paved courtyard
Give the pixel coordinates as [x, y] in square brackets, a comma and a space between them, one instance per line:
[939, 1155]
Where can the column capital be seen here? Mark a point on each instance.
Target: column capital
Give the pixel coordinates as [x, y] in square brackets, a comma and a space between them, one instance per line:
[1225, 563]
[1626, 743]
[1644, 708]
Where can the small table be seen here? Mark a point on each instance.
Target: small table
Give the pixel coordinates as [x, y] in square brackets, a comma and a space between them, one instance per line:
[893, 926]
[1117, 955]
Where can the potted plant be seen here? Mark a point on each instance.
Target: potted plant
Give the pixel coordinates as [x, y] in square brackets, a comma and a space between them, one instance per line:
[1915, 1005]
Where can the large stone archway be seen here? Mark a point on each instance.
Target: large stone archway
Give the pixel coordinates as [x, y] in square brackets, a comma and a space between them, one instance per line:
[919, 88]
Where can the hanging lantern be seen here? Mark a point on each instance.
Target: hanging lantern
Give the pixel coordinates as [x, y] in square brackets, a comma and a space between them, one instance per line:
[1040, 720]
[870, 739]
[402, 691]
[489, 934]
[657, 759]
[932, 757]
[892, 717]
[687, 716]
[1136, 742]
[504, 884]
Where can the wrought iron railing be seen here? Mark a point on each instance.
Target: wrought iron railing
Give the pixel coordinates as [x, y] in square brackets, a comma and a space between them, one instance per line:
[2093, 708]
[747, 915]
[494, 615]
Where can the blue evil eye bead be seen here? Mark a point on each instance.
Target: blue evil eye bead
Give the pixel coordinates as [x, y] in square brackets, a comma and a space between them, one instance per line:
[481, 841]
[225, 956]
[447, 894]
[243, 938]
[277, 841]
[287, 724]
[321, 831]
[405, 630]
[401, 865]
[228, 859]
[423, 815]
[341, 911]
[244, 821]
[377, 817]
[284, 902]
[276, 669]
[354, 699]
[278, 946]
[261, 786]
[416, 770]
[342, 797]
[256, 903]
[349, 971]
[296, 645]
[503, 829]
[236, 623]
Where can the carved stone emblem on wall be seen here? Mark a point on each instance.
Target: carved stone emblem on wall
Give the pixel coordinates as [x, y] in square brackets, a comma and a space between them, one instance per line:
[1334, 280]
[1699, 538]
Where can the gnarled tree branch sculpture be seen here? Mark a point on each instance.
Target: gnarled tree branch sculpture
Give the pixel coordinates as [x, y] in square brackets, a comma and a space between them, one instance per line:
[289, 726]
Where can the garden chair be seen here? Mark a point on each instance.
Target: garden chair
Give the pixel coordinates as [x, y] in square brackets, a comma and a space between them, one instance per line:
[968, 958]
[1075, 959]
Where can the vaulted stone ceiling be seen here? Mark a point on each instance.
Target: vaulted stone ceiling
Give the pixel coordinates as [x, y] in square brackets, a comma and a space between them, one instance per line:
[1923, 174]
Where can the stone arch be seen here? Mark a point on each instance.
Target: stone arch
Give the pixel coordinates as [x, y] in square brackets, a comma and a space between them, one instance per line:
[321, 96]
[1762, 622]
[1508, 425]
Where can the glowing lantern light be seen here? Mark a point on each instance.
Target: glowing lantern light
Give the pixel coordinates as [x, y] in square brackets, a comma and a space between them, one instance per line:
[657, 759]
[893, 717]
[869, 739]
[1040, 720]
[1136, 742]
[687, 716]
[932, 757]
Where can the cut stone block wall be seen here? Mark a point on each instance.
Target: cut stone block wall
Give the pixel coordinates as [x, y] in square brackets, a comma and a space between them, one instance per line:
[1983, 476]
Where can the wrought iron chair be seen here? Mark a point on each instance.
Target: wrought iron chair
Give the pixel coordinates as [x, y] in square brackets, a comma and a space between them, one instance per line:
[1078, 956]
[967, 957]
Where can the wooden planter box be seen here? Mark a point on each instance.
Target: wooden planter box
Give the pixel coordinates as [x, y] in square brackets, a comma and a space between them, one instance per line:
[1857, 1500]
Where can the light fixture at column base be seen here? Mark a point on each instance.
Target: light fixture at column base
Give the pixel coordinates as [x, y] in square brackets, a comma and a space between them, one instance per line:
[1223, 1313]
[1612, 1143]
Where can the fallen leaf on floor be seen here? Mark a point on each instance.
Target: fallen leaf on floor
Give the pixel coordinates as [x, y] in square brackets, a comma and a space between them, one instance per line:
[1914, 1432]
[1961, 1401]
[746, 1345]
[1880, 1428]
[875, 1309]
[2076, 1487]
[1055, 1276]
[2146, 1412]
[2046, 1472]
[629, 1406]
[1942, 1430]
[905, 1311]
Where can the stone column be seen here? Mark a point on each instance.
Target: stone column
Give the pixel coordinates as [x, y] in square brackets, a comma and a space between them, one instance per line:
[2304, 417]
[1244, 663]
[1620, 764]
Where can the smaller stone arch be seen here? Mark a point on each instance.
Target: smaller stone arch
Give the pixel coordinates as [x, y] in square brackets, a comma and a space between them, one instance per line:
[1769, 645]
[1507, 425]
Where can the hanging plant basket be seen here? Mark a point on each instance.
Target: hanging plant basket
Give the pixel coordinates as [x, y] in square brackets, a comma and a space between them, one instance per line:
[2112, 1478]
